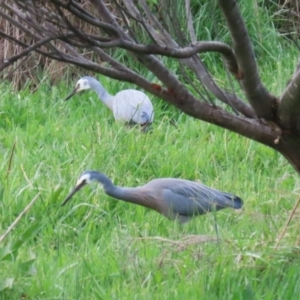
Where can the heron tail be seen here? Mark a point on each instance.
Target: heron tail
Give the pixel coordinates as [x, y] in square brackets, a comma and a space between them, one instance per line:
[229, 200]
[237, 202]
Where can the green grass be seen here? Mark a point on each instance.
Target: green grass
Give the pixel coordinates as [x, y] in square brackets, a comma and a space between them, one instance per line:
[100, 248]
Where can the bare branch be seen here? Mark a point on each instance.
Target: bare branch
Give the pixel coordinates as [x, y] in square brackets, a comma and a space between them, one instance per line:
[84, 15]
[190, 21]
[289, 104]
[18, 24]
[107, 17]
[10, 60]
[163, 39]
[228, 98]
[260, 99]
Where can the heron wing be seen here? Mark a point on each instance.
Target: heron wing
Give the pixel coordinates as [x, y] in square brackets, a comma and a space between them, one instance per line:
[187, 198]
[187, 205]
[132, 105]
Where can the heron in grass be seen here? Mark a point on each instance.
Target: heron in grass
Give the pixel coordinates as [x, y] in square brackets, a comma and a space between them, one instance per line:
[130, 106]
[176, 199]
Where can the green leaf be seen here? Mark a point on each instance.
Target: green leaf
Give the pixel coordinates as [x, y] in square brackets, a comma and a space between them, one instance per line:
[5, 253]
[6, 283]
[55, 195]
[9, 252]
[30, 231]
[26, 267]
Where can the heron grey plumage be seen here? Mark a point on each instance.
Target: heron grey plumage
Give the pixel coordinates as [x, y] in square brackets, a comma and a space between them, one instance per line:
[174, 198]
[127, 105]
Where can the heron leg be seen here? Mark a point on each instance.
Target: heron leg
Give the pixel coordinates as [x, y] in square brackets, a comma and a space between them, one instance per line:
[130, 124]
[146, 127]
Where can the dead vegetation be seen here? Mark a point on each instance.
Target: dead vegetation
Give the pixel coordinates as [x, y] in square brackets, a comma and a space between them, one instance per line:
[286, 15]
[31, 67]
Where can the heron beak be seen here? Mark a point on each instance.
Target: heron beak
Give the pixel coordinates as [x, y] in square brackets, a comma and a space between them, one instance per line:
[72, 94]
[73, 192]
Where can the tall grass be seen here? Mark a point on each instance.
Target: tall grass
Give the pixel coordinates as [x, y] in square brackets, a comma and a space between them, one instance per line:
[100, 248]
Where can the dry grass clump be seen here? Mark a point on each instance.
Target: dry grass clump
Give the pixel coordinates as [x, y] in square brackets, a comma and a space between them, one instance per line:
[286, 15]
[30, 68]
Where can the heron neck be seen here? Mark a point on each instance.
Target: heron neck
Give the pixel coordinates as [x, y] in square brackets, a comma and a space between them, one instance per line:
[132, 195]
[103, 95]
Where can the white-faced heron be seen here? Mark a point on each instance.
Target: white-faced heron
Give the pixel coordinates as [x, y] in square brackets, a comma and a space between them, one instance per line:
[174, 198]
[127, 105]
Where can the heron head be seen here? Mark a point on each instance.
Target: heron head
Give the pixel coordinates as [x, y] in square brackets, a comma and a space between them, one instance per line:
[83, 180]
[81, 85]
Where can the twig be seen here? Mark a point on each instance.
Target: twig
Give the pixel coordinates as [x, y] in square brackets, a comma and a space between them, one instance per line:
[287, 223]
[10, 159]
[9, 229]
[172, 122]
[187, 240]
[25, 175]
[217, 229]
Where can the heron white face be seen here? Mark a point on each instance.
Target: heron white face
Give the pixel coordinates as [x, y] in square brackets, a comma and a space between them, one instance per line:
[84, 179]
[82, 84]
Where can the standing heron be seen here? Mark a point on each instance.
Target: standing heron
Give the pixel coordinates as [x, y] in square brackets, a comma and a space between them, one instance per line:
[127, 105]
[174, 198]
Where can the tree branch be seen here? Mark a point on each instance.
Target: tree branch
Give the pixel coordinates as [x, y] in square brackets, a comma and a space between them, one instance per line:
[190, 25]
[162, 38]
[10, 60]
[260, 99]
[289, 104]
[231, 99]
